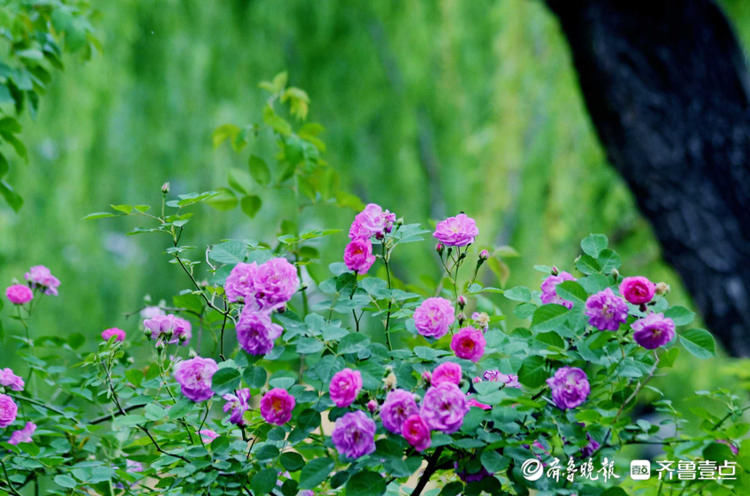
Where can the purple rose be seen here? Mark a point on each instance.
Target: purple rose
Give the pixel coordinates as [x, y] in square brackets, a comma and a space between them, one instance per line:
[8, 411]
[238, 405]
[239, 283]
[397, 407]
[569, 386]
[274, 283]
[469, 343]
[358, 255]
[446, 372]
[416, 432]
[456, 231]
[194, 377]
[637, 290]
[18, 294]
[118, 334]
[40, 277]
[606, 311]
[354, 435]
[23, 435]
[276, 406]
[11, 380]
[591, 447]
[256, 333]
[434, 317]
[345, 386]
[493, 375]
[653, 331]
[372, 221]
[169, 328]
[444, 407]
[549, 291]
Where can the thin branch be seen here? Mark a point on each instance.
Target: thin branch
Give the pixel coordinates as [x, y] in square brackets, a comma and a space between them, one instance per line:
[428, 471]
[112, 415]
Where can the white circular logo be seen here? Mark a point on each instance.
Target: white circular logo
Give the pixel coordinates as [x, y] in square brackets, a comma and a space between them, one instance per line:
[532, 469]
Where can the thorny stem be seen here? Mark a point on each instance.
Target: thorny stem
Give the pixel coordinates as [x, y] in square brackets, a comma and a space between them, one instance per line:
[428, 471]
[10, 484]
[390, 300]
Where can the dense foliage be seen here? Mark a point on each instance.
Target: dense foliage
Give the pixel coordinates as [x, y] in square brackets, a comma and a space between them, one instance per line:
[267, 373]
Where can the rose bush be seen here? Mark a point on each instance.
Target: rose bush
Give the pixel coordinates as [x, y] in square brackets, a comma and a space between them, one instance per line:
[261, 377]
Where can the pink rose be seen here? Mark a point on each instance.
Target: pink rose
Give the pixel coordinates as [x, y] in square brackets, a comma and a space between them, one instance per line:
[468, 343]
[8, 411]
[18, 294]
[276, 406]
[446, 372]
[637, 290]
[345, 386]
[416, 431]
[119, 334]
[358, 255]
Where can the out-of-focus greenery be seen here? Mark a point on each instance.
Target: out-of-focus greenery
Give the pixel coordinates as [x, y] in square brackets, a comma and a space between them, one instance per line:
[430, 108]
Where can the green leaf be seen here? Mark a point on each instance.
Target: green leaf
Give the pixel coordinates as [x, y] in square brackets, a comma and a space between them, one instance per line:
[365, 483]
[353, 343]
[255, 377]
[292, 461]
[587, 265]
[250, 204]
[548, 317]
[699, 342]
[65, 481]
[155, 411]
[100, 215]
[264, 481]
[14, 199]
[224, 200]
[128, 421]
[306, 346]
[182, 407]
[259, 170]
[452, 489]
[532, 372]
[223, 133]
[680, 315]
[315, 472]
[571, 291]
[230, 252]
[493, 461]
[519, 293]
[593, 244]
[225, 380]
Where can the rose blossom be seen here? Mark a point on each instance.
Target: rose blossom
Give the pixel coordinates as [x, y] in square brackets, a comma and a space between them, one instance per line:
[358, 255]
[194, 377]
[354, 434]
[446, 372]
[256, 333]
[372, 406]
[653, 331]
[207, 435]
[591, 447]
[274, 283]
[238, 404]
[481, 319]
[276, 406]
[416, 432]
[637, 290]
[8, 410]
[23, 435]
[606, 311]
[444, 407]
[549, 289]
[456, 231]
[11, 380]
[434, 317]
[569, 386]
[18, 294]
[468, 343]
[239, 283]
[118, 333]
[133, 466]
[372, 221]
[345, 386]
[176, 329]
[398, 405]
[493, 375]
[40, 276]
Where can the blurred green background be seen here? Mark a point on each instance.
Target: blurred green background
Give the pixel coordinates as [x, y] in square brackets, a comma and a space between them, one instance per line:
[429, 108]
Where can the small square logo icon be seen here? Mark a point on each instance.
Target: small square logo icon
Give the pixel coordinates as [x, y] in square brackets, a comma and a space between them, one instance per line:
[640, 469]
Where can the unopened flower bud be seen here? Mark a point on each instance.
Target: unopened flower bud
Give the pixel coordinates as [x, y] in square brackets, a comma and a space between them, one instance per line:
[379, 235]
[439, 248]
[427, 376]
[484, 255]
[461, 317]
[616, 274]
[662, 288]
[390, 381]
[477, 379]
[461, 301]
[555, 270]
[281, 309]
[165, 188]
[372, 405]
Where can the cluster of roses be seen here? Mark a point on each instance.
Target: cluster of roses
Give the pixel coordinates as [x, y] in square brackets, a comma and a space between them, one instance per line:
[38, 278]
[9, 409]
[372, 222]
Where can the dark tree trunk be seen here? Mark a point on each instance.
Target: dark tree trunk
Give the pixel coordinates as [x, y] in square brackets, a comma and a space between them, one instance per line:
[666, 86]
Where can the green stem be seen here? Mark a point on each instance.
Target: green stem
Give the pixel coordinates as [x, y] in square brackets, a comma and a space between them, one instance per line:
[390, 299]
